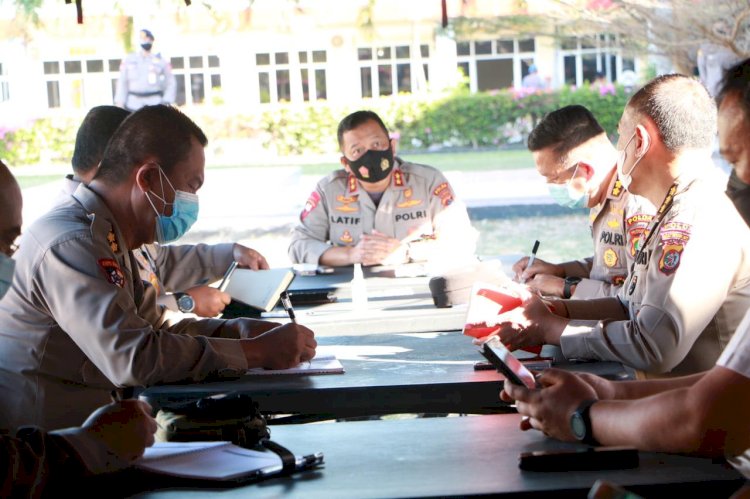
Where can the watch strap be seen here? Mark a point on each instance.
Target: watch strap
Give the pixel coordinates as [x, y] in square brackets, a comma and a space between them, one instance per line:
[584, 410]
[567, 286]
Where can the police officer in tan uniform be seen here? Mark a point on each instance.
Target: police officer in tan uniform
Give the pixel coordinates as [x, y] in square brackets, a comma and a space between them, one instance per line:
[571, 150]
[145, 78]
[380, 209]
[77, 323]
[691, 283]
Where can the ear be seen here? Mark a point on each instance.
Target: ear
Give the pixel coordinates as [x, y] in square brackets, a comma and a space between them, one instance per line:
[345, 164]
[643, 140]
[586, 169]
[147, 176]
[394, 145]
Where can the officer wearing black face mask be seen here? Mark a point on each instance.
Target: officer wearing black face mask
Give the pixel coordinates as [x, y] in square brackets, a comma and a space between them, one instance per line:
[145, 78]
[380, 209]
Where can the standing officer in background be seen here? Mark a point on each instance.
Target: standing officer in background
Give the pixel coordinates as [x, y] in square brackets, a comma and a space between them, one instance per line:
[734, 129]
[145, 78]
[571, 150]
[380, 208]
[673, 314]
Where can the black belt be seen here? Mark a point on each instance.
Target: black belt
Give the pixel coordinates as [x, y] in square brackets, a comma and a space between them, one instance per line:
[146, 94]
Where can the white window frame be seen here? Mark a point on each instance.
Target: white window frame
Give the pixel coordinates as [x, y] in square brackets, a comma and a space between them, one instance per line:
[516, 56]
[206, 71]
[605, 45]
[96, 87]
[416, 62]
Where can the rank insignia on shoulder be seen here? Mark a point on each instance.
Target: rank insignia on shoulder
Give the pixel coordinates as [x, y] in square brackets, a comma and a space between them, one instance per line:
[112, 272]
[112, 240]
[616, 188]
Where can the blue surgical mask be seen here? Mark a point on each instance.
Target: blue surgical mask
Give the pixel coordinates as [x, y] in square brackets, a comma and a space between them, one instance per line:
[7, 267]
[184, 213]
[566, 196]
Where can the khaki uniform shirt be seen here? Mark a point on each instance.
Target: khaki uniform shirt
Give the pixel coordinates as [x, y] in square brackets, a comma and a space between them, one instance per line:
[145, 80]
[76, 323]
[419, 205]
[688, 292]
[615, 225]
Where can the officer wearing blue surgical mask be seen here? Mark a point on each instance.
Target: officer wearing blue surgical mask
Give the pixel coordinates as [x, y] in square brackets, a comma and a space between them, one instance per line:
[77, 321]
[573, 153]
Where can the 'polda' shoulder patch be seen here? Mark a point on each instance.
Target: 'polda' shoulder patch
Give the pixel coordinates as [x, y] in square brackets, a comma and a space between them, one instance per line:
[112, 272]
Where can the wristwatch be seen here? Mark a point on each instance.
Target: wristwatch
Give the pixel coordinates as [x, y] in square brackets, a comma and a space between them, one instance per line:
[569, 282]
[580, 423]
[185, 302]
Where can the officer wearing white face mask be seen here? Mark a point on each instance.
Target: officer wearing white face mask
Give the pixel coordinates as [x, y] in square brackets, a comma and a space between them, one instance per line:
[572, 152]
[690, 284]
[379, 208]
[77, 322]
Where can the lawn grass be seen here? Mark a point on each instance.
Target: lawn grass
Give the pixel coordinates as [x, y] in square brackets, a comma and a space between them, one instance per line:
[26, 181]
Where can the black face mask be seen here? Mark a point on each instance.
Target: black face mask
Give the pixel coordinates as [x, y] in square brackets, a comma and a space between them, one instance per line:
[372, 166]
[147, 46]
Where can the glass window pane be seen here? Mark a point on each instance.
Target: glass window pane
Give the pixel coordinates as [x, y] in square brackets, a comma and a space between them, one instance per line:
[463, 48]
[180, 95]
[4, 92]
[321, 92]
[1, 68]
[494, 74]
[526, 45]
[264, 87]
[302, 57]
[402, 52]
[505, 46]
[364, 54]
[483, 48]
[213, 61]
[196, 61]
[426, 70]
[281, 58]
[114, 64]
[424, 50]
[365, 77]
[52, 68]
[403, 73]
[464, 67]
[588, 42]
[319, 56]
[384, 53]
[178, 63]
[569, 43]
[569, 61]
[283, 86]
[73, 67]
[95, 66]
[53, 94]
[197, 90]
[305, 85]
[215, 81]
[113, 82]
[628, 64]
[385, 79]
[262, 59]
[589, 67]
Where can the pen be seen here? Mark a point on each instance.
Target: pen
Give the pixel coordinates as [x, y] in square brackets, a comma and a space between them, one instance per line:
[227, 275]
[287, 304]
[531, 258]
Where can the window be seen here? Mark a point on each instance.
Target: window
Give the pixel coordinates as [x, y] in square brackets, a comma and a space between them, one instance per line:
[4, 90]
[582, 58]
[197, 77]
[292, 76]
[495, 64]
[80, 83]
[389, 70]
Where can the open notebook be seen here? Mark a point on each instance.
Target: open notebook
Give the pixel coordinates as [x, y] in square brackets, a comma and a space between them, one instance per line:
[222, 461]
[258, 288]
[324, 362]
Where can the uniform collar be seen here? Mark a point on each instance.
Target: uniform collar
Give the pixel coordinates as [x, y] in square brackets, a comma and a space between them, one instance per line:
[398, 180]
[103, 223]
[70, 184]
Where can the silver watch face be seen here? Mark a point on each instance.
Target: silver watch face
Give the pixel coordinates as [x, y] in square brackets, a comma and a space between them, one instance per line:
[186, 303]
[578, 426]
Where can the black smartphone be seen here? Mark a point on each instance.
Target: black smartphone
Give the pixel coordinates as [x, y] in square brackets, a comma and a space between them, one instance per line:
[509, 366]
[592, 458]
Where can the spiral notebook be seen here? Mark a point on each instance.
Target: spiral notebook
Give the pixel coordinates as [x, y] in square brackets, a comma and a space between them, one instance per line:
[221, 461]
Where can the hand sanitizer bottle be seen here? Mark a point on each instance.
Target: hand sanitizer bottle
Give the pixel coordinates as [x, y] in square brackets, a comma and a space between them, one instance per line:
[359, 291]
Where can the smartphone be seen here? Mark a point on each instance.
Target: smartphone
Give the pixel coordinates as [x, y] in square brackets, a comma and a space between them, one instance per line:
[510, 367]
[592, 458]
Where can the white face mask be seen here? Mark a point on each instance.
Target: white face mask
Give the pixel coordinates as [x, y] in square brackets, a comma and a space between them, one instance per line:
[627, 178]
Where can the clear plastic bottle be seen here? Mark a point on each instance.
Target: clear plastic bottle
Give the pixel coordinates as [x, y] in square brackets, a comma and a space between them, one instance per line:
[359, 290]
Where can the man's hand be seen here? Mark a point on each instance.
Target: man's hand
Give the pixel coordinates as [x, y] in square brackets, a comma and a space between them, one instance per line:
[209, 302]
[248, 328]
[548, 409]
[281, 348]
[547, 285]
[249, 258]
[538, 267]
[377, 248]
[126, 428]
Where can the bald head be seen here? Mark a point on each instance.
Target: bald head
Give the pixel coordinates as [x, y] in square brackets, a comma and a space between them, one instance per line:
[11, 206]
[680, 107]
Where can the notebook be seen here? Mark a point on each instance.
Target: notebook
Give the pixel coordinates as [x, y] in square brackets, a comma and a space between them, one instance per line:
[324, 362]
[258, 288]
[222, 461]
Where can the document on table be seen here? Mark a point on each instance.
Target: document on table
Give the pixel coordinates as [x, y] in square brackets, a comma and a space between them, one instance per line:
[324, 362]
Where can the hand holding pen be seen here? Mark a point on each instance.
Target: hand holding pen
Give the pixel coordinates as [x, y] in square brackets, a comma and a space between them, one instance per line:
[532, 257]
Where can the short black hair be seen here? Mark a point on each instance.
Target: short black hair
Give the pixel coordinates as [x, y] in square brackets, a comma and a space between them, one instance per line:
[736, 80]
[356, 119]
[681, 108]
[160, 131]
[564, 129]
[93, 135]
